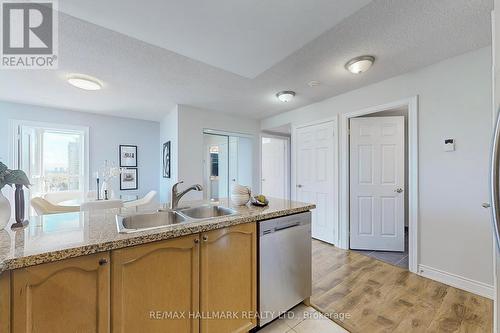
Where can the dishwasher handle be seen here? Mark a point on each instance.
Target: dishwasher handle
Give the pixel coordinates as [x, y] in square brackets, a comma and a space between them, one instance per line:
[291, 225]
[271, 226]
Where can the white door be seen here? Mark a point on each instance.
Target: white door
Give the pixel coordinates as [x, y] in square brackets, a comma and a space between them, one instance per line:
[316, 170]
[274, 167]
[377, 167]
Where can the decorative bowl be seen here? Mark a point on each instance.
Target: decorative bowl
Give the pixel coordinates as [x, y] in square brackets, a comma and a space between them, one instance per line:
[240, 199]
[256, 202]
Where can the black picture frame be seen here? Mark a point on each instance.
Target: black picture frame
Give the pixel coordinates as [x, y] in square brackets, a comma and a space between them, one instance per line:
[124, 179]
[167, 157]
[128, 149]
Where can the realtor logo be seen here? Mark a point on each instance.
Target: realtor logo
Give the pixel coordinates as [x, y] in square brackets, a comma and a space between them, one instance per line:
[29, 35]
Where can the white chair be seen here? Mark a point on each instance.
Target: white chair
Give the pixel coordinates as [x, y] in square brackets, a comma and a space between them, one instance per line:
[57, 197]
[101, 204]
[44, 207]
[146, 200]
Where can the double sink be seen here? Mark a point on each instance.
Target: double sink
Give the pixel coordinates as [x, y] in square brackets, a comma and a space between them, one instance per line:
[163, 218]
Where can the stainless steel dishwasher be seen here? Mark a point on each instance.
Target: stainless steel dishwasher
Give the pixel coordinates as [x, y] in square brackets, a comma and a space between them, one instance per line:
[285, 264]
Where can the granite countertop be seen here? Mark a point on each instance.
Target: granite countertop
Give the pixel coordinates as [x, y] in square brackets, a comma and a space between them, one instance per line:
[55, 237]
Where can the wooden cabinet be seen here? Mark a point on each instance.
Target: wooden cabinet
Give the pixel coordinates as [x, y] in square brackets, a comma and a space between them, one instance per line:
[156, 286]
[70, 295]
[229, 279]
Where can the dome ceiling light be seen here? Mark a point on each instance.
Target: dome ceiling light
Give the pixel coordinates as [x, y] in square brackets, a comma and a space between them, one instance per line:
[285, 96]
[84, 82]
[360, 64]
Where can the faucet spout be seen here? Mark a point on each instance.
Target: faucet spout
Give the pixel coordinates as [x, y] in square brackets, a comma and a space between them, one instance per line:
[176, 196]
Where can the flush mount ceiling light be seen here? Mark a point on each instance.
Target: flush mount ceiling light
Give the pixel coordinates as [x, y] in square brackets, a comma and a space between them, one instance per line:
[360, 64]
[84, 82]
[285, 96]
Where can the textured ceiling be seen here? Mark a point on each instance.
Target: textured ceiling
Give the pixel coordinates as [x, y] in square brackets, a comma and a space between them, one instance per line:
[145, 81]
[244, 37]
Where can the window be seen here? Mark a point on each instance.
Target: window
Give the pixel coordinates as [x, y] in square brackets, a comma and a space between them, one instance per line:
[214, 161]
[53, 157]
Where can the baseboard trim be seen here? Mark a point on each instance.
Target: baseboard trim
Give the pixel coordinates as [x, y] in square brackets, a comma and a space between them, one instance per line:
[475, 287]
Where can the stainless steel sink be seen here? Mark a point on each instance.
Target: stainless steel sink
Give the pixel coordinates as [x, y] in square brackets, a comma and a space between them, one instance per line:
[206, 212]
[162, 218]
[148, 221]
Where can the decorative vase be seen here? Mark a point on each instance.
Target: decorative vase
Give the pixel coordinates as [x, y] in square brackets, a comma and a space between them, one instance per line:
[19, 203]
[4, 211]
[240, 195]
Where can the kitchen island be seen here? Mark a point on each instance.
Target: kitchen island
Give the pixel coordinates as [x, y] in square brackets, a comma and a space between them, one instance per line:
[76, 272]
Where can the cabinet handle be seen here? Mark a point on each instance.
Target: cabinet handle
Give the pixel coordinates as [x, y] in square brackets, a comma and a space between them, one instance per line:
[205, 238]
[103, 261]
[196, 240]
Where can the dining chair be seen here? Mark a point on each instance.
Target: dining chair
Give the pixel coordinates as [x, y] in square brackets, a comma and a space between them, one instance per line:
[57, 197]
[101, 204]
[146, 200]
[45, 207]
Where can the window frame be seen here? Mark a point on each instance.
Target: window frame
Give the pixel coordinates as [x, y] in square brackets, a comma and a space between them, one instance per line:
[15, 143]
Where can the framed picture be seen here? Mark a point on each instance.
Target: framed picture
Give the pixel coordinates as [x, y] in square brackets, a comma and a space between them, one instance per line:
[128, 179]
[166, 159]
[128, 156]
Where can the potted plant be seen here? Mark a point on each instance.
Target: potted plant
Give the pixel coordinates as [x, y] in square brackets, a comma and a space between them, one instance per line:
[9, 177]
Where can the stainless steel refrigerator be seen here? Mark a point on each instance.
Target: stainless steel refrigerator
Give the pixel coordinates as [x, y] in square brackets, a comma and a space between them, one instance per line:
[495, 155]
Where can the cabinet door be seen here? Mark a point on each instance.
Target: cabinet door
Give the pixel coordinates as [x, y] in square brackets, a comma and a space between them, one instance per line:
[229, 279]
[155, 287]
[70, 295]
[5, 302]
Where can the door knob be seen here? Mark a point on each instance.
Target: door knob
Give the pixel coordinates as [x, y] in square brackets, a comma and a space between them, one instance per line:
[299, 186]
[399, 190]
[486, 205]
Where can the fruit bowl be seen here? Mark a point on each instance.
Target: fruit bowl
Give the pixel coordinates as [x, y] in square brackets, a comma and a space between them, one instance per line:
[258, 203]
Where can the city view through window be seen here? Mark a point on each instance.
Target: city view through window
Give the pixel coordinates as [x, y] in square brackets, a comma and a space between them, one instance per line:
[61, 161]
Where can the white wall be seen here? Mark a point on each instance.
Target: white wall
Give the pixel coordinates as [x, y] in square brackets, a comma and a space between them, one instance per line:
[106, 134]
[169, 132]
[192, 122]
[454, 101]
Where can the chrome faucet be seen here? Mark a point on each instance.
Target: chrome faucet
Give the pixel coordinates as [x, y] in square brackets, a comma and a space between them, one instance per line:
[176, 196]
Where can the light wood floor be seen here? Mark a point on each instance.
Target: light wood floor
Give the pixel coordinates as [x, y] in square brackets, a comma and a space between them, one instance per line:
[380, 297]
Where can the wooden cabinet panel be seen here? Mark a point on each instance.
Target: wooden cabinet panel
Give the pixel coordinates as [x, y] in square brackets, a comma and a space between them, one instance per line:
[153, 282]
[5, 302]
[65, 296]
[229, 279]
